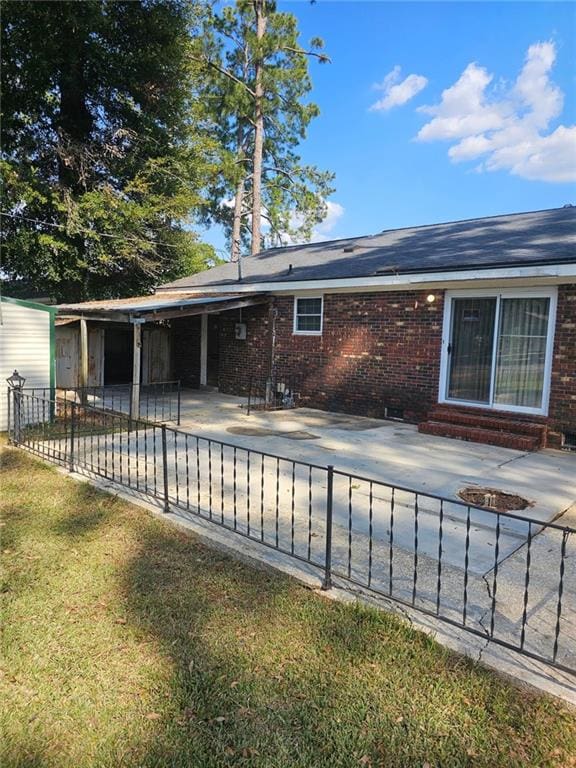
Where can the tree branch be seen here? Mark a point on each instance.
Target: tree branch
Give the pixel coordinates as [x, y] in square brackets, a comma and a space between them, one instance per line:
[224, 72]
[275, 169]
[322, 57]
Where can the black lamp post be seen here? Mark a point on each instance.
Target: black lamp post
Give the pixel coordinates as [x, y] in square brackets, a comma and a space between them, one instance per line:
[16, 381]
[15, 384]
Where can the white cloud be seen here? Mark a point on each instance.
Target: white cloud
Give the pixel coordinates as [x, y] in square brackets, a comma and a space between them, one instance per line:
[398, 93]
[463, 110]
[322, 231]
[508, 129]
[334, 212]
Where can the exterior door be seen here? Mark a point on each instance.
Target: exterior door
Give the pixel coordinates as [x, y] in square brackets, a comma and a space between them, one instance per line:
[471, 349]
[67, 352]
[497, 349]
[95, 357]
[156, 354]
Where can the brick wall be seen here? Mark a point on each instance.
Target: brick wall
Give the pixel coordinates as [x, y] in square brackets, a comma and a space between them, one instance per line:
[241, 360]
[376, 351]
[186, 350]
[562, 410]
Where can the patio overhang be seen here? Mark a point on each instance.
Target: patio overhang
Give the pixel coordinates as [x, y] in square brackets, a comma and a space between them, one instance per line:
[149, 309]
[146, 309]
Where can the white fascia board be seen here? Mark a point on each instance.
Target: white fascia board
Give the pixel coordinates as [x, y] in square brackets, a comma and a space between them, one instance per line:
[548, 274]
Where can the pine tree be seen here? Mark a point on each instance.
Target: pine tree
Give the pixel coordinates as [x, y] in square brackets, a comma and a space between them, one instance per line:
[257, 81]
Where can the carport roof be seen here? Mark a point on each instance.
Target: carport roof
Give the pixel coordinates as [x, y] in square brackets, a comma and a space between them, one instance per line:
[157, 306]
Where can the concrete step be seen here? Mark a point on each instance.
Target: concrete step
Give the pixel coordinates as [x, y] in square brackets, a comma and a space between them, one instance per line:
[489, 421]
[477, 434]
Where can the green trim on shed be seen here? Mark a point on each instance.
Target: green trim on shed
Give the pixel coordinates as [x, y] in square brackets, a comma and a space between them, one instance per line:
[52, 358]
[30, 304]
[53, 311]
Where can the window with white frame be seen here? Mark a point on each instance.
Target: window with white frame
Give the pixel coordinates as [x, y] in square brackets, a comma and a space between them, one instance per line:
[308, 315]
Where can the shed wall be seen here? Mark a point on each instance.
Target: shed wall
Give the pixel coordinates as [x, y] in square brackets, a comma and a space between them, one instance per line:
[25, 346]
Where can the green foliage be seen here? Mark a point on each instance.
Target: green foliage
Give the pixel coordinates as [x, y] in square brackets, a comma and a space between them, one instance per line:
[104, 149]
[293, 193]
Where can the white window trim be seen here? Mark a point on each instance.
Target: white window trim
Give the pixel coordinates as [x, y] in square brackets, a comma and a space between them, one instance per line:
[510, 293]
[295, 330]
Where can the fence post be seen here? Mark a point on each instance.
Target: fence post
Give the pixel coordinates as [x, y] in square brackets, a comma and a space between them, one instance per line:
[8, 410]
[17, 414]
[165, 468]
[179, 406]
[72, 434]
[327, 583]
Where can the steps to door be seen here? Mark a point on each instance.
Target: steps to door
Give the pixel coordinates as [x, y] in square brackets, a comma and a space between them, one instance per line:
[504, 430]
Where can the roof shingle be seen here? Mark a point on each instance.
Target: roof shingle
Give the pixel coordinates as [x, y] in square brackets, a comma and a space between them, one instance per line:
[521, 239]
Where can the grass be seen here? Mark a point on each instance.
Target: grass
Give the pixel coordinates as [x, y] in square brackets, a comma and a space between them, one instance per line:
[128, 643]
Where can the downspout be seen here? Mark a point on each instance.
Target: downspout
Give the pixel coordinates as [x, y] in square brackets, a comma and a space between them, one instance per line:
[273, 316]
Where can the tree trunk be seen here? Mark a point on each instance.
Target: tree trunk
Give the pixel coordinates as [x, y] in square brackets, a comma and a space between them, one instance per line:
[260, 12]
[237, 221]
[75, 122]
[238, 201]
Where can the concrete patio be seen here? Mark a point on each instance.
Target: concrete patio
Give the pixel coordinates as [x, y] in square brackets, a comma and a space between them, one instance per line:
[391, 451]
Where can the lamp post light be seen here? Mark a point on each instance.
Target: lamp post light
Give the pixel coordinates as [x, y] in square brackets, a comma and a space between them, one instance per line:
[16, 381]
[15, 384]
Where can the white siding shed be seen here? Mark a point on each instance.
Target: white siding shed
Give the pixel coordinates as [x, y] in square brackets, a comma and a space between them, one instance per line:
[27, 345]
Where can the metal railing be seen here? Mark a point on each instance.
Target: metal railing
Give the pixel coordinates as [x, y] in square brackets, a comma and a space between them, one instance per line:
[159, 401]
[500, 576]
[272, 393]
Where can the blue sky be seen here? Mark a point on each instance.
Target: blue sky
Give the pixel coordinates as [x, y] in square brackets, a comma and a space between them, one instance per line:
[507, 116]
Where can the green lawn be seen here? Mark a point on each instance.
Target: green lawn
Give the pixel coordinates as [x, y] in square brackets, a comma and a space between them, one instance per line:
[127, 643]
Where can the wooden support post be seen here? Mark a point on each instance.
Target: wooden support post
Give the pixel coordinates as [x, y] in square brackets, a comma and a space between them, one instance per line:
[136, 363]
[83, 372]
[204, 350]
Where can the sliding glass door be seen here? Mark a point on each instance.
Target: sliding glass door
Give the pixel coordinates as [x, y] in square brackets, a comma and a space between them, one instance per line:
[521, 357]
[471, 346]
[498, 350]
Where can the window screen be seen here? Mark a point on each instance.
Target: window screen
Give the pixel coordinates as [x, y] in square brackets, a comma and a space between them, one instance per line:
[308, 316]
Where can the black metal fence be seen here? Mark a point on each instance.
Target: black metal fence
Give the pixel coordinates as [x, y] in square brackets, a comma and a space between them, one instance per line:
[272, 393]
[159, 401]
[502, 577]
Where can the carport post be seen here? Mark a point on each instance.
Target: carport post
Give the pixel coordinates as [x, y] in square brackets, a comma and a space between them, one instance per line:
[327, 583]
[83, 360]
[136, 364]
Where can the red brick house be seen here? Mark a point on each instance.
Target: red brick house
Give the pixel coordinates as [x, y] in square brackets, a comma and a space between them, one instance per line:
[468, 328]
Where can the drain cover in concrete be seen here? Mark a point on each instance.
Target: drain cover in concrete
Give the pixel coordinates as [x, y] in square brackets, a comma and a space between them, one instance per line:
[491, 498]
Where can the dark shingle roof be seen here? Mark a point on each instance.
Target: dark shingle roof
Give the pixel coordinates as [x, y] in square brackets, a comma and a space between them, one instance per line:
[520, 239]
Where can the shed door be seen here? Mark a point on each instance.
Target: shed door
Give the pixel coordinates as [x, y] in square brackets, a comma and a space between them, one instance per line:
[95, 357]
[67, 351]
[156, 354]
